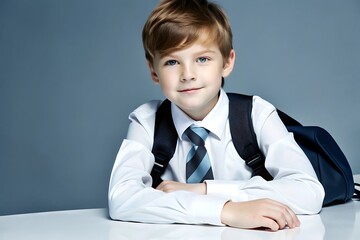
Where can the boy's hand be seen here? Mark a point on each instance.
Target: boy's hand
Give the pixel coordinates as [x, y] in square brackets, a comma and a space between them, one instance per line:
[171, 186]
[262, 213]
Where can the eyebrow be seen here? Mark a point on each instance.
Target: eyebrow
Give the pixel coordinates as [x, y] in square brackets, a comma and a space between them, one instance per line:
[196, 53]
[205, 51]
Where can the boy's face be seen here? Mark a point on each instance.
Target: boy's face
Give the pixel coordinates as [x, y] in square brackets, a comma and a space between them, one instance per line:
[191, 78]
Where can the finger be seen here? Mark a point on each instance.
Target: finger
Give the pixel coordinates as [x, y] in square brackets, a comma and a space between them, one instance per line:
[273, 215]
[278, 215]
[295, 217]
[269, 223]
[293, 221]
[291, 218]
[282, 214]
[161, 186]
[167, 186]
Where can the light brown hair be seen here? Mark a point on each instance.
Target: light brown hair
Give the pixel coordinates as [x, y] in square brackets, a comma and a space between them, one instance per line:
[176, 24]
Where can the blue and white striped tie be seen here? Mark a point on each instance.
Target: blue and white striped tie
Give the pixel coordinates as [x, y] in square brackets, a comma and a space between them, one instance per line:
[198, 167]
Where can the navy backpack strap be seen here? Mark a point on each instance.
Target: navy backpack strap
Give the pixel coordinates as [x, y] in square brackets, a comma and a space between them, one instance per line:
[165, 140]
[243, 135]
[287, 120]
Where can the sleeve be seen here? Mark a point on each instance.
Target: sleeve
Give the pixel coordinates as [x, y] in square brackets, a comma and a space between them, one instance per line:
[295, 182]
[131, 197]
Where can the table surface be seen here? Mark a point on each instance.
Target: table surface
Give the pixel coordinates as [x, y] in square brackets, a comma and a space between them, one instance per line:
[335, 222]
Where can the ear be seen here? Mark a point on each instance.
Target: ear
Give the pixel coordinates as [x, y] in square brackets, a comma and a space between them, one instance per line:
[154, 76]
[229, 64]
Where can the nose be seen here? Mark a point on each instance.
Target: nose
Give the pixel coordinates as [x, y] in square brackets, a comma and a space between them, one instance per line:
[188, 73]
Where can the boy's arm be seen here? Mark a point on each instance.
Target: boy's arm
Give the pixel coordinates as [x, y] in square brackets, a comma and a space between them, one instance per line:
[262, 213]
[295, 183]
[131, 197]
[171, 186]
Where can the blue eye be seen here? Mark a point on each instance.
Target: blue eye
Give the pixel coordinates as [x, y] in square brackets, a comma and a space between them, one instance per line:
[171, 62]
[202, 59]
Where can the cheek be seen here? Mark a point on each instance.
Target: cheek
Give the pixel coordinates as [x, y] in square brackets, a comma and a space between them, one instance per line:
[166, 83]
[214, 75]
[168, 78]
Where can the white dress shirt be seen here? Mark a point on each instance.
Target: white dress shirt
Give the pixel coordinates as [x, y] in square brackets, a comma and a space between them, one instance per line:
[131, 197]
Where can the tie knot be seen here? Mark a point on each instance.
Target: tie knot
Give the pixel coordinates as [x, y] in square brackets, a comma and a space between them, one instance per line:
[197, 135]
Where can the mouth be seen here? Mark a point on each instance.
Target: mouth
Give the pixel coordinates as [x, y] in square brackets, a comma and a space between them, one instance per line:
[189, 90]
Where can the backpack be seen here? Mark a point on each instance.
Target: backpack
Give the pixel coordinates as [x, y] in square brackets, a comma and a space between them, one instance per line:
[327, 159]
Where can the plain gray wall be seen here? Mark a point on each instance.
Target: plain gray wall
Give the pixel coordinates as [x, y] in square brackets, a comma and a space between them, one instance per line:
[72, 70]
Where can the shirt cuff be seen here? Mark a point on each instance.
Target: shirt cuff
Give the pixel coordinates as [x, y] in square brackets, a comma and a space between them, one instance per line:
[207, 209]
[227, 189]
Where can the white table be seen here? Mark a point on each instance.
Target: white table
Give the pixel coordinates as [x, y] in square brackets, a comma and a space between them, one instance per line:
[335, 222]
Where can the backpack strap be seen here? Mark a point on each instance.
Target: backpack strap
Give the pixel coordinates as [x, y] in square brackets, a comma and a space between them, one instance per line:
[287, 120]
[165, 140]
[243, 135]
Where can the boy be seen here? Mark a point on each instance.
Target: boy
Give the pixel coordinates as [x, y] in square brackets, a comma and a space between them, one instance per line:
[188, 47]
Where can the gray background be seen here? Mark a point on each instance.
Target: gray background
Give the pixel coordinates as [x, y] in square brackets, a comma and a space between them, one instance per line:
[72, 70]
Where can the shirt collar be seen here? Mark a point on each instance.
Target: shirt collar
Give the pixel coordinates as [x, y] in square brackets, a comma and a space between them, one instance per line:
[215, 121]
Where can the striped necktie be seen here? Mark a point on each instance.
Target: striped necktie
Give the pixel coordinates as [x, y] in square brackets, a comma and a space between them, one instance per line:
[198, 167]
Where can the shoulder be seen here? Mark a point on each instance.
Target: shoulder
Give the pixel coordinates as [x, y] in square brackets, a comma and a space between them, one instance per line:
[145, 111]
[261, 111]
[261, 107]
[143, 117]
[142, 121]
[262, 104]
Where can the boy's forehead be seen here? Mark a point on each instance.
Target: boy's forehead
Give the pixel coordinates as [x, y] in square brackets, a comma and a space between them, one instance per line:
[201, 44]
